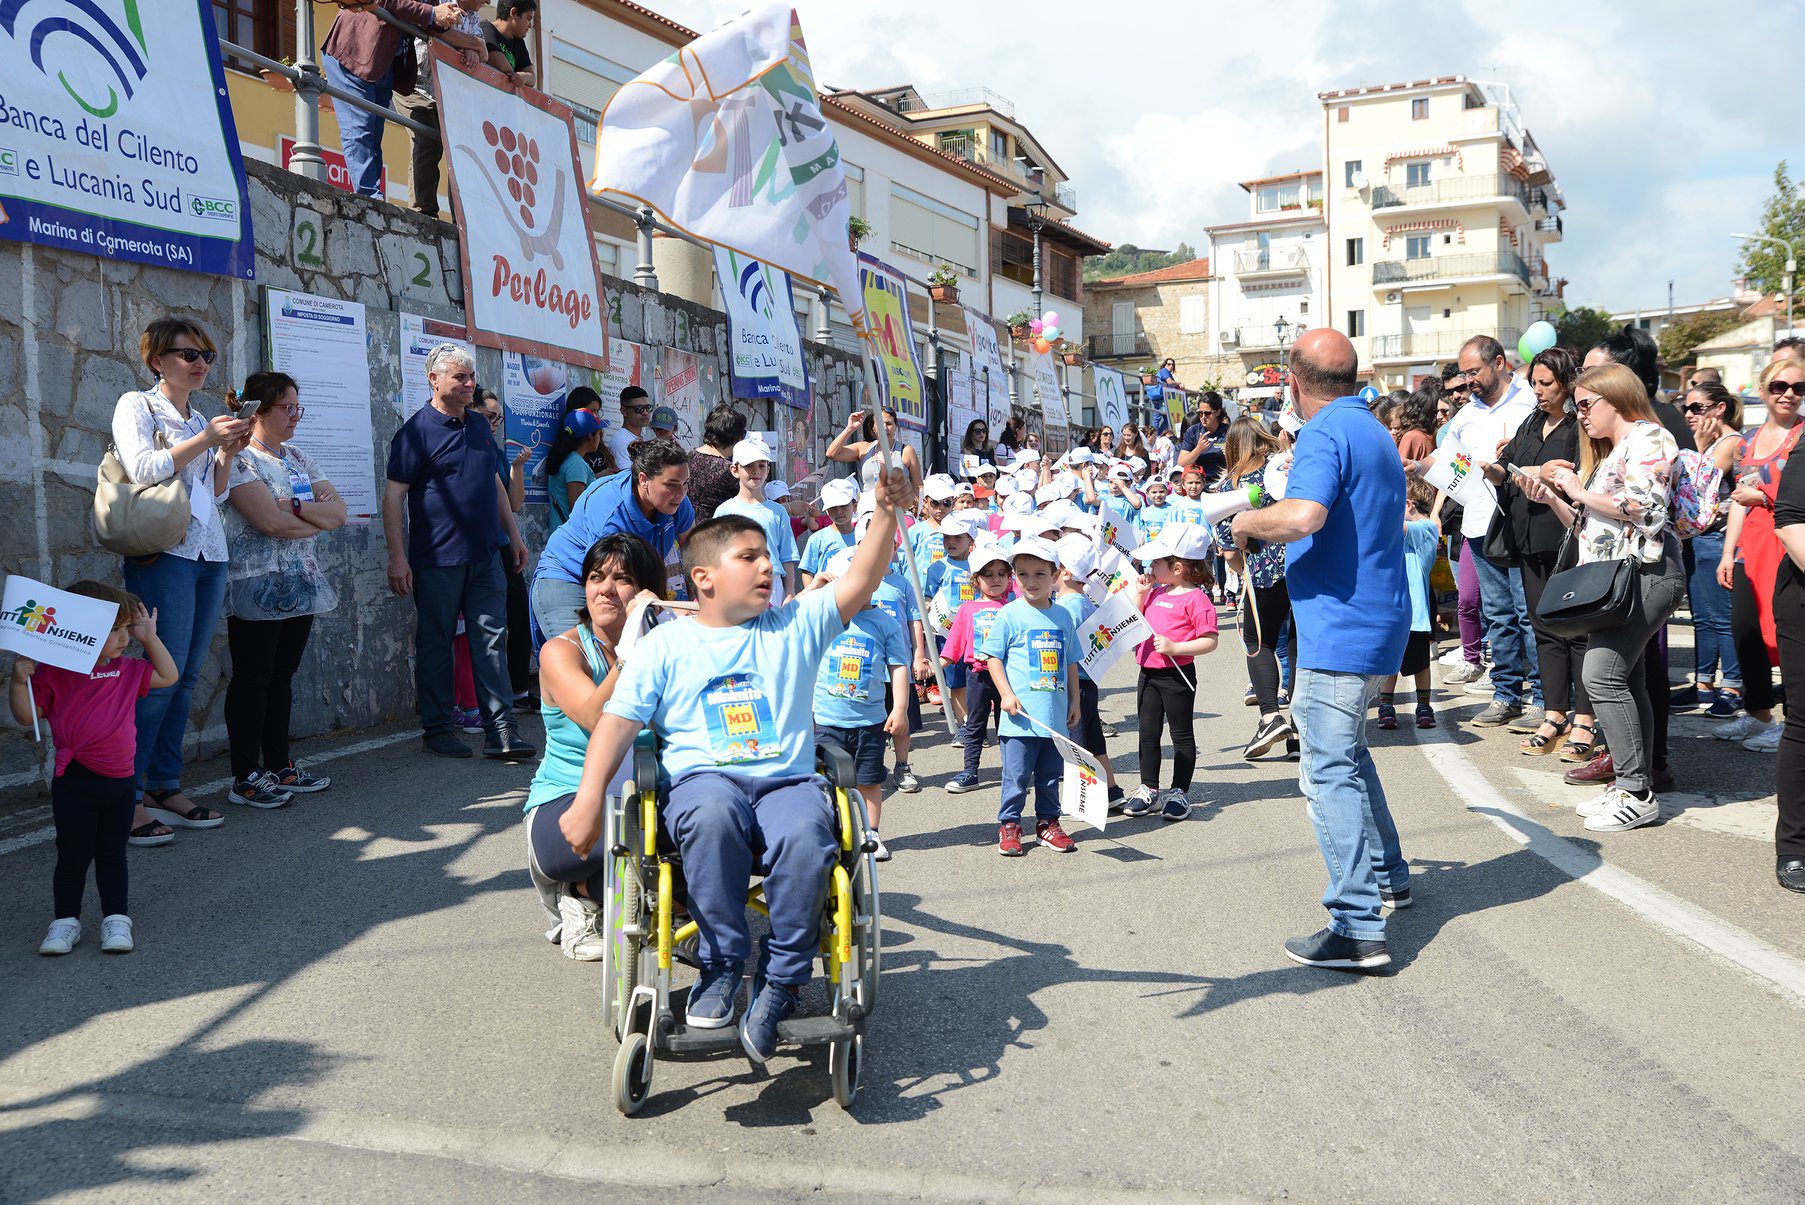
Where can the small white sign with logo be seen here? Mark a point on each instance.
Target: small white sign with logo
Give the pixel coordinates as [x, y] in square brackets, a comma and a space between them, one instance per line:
[1084, 790]
[54, 626]
[1112, 630]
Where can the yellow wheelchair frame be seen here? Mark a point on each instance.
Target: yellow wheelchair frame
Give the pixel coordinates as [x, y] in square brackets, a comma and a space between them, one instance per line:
[643, 939]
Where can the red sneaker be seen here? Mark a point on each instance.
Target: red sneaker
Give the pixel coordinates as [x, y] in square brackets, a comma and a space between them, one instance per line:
[933, 694]
[1054, 837]
[1009, 840]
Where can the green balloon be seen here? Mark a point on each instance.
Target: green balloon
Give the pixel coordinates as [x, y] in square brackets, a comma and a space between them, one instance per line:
[1525, 351]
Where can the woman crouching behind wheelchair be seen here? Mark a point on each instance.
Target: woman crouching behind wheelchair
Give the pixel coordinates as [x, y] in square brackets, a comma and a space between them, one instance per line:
[578, 670]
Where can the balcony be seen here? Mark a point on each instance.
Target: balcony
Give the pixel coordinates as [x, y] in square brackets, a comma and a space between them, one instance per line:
[1260, 336]
[1254, 264]
[1032, 179]
[1452, 191]
[1118, 347]
[1438, 268]
[1433, 345]
[1550, 228]
[960, 98]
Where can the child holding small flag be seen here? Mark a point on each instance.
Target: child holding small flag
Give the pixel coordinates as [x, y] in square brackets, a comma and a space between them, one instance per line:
[1176, 603]
[1078, 563]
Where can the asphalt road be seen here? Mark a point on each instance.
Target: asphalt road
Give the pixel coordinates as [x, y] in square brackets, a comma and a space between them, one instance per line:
[350, 1000]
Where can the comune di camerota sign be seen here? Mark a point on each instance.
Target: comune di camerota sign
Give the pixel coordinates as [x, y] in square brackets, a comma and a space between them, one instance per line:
[530, 279]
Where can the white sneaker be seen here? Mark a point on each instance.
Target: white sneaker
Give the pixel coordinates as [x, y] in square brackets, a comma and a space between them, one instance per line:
[1741, 728]
[116, 933]
[1453, 658]
[882, 852]
[1599, 802]
[1466, 671]
[1481, 685]
[1767, 742]
[65, 931]
[581, 939]
[1624, 812]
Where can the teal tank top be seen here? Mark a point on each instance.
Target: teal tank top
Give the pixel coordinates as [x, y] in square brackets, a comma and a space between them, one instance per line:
[566, 744]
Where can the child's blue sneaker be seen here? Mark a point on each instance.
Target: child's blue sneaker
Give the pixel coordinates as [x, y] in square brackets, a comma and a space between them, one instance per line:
[711, 999]
[1141, 802]
[1726, 705]
[758, 1028]
[962, 783]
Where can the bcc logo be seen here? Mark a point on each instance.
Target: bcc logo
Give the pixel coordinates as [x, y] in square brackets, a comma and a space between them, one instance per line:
[9, 161]
[214, 207]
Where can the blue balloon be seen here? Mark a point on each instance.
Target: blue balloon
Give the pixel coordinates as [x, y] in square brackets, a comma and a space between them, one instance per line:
[1539, 338]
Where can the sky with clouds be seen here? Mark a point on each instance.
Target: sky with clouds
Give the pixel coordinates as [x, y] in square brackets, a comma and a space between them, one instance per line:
[1662, 121]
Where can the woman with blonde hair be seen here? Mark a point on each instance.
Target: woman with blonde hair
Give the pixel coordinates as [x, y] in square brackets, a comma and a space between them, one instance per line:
[1618, 501]
[1265, 601]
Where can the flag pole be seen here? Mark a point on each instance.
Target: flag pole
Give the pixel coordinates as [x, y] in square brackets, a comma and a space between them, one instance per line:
[914, 574]
[37, 734]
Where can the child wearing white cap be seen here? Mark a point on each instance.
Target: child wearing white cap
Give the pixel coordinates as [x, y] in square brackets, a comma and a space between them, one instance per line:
[752, 468]
[947, 584]
[1154, 513]
[990, 575]
[1078, 564]
[925, 543]
[1176, 603]
[839, 500]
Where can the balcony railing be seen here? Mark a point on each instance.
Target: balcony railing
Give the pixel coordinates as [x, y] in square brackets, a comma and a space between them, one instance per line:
[958, 98]
[1433, 345]
[1552, 226]
[1033, 179]
[1503, 262]
[1252, 261]
[1260, 336]
[1450, 190]
[1115, 347]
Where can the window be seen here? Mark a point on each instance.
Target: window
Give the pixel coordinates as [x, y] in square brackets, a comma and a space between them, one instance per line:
[1279, 196]
[1356, 323]
[1303, 305]
[1351, 169]
[855, 188]
[1416, 247]
[999, 146]
[1121, 328]
[1416, 175]
[607, 256]
[1341, 115]
[1356, 252]
[265, 26]
[938, 233]
[1419, 109]
[1191, 317]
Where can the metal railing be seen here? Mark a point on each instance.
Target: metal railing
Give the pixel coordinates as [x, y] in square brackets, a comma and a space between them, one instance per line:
[957, 97]
[1452, 189]
[1434, 345]
[972, 150]
[1114, 346]
[1285, 259]
[1502, 262]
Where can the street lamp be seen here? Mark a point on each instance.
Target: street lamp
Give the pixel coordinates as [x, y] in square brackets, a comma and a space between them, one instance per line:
[1792, 267]
[1037, 216]
[1282, 329]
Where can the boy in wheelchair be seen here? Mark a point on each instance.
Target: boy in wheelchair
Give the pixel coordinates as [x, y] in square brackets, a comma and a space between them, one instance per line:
[732, 696]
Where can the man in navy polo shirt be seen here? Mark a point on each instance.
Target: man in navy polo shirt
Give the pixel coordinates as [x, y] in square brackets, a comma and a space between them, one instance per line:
[1343, 517]
[442, 466]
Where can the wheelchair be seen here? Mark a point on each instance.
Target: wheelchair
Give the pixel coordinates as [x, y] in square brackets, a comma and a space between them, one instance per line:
[643, 937]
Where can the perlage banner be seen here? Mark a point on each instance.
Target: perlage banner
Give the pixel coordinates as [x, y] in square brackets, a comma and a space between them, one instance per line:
[1113, 629]
[116, 135]
[1112, 397]
[533, 391]
[53, 626]
[764, 344]
[892, 345]
[531, 281]
[323, 344]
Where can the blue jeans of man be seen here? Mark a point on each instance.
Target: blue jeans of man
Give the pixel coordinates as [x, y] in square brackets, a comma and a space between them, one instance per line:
[727, 826]
[1507, 627]
[360, 132]
[187, 596]
[1713, 648]
[1030, 761]
[480, 593]
[1346, 801]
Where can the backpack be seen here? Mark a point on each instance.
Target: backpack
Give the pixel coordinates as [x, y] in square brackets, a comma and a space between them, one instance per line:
[1699, 503]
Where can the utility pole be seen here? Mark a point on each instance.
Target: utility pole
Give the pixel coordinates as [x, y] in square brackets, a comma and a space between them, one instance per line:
[1792, 267]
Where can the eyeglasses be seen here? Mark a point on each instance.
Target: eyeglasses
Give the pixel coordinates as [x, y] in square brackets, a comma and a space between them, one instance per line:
[1699, 407]
[494, 417]
[1779, 388]
[190, 354]
[637, 409]
[1456, 388]
[295, 411]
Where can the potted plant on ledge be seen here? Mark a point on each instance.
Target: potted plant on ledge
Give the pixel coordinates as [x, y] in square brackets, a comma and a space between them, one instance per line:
[857, 231]
[943, 284]
[275, 79]
[1149, 376]
[1070, 353]
[1018, 324]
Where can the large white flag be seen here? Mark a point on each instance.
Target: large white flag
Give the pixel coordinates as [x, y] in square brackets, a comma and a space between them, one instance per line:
[726, 141]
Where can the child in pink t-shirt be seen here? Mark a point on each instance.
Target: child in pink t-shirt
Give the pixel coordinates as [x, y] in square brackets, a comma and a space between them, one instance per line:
[1175, 599]
[93, 724]
[989, 567]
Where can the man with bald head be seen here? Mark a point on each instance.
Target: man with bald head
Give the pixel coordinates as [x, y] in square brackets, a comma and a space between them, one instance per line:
[1343, 517]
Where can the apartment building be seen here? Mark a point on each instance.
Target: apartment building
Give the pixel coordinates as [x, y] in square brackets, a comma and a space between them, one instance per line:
[1268, 285]
[1440, 207]
[1139, 321]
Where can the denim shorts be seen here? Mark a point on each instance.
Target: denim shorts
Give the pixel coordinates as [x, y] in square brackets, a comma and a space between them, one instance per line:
[866, 748]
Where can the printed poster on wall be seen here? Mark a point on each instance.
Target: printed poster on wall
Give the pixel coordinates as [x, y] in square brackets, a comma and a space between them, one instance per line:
[532, 391]
[321, 342]
[1047, 391]
[900, 383]
[689, 385]
[116, 137]
[531, 280]
[628, 364]
[961, 412]
[986, 347]
[418, 337]
[1112, 396]
[764, 344]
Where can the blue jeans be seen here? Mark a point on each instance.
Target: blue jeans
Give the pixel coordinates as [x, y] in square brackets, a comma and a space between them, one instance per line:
[187, 597]
[360, 132]
[479, 593]
[1713, 646]
[1030, 761]
[1287, 673]
[1346, 801]
[1507, 627]
[718, 820]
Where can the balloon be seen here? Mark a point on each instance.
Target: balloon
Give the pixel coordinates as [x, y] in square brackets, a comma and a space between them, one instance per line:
[1049, 332]
[1051, 317]
[1035, 326]
[1525, 352]
[1540, 336]
[1042, 346]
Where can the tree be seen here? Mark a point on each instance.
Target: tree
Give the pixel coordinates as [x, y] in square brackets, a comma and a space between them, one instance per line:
[1128, 259]
[1581, 328]
[1783, 218]
[1679, 337]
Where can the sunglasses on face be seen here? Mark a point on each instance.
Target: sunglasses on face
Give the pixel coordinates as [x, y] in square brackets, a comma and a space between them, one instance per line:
[639, 409]
[1583, 404]
[1456, 388]
[190, 354]
[1779, 388]
[1699, 407]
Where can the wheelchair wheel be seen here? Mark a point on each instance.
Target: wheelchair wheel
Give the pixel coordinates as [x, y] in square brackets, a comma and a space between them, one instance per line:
[626, 941]
[845, 1066]
[632, 1074]
[867, 923]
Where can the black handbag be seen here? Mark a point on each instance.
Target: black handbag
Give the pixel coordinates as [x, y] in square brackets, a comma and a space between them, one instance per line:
[1500, 546]
[1586, 598]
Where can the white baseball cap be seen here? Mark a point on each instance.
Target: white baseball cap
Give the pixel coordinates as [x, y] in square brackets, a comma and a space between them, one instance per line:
[1006, 486]
[1121, 472]
[1078, 556]
[984, 469]
[1026, 456]
[1037, 525]
[839, 492]
[1188, 540]
[964, 488]
[939, 489]
[986, 552]
[751, 451]
[1137, 464]
[776, 491]
[1058, 512]
[1026, 480]
[1017, 507]
[1080, 521]
[1034, 546]
[964, 523]
[1080, 455]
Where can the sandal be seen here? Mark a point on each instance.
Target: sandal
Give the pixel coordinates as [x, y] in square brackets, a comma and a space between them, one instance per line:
[1577, 750]
[154, 833]
[1535, 745]
[156, 803]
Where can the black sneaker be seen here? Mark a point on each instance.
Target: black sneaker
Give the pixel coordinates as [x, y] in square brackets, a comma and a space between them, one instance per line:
[1684, 698]
[1271, 731]
[1395, 900]
[445, 745]
[1327, 948]
[506, 745]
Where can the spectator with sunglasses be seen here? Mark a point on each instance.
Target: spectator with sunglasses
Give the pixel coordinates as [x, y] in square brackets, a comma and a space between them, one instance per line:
[635, 414]
[1715, 416]
[158, 434]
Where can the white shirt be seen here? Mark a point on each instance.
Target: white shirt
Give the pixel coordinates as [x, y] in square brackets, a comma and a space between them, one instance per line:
[136, 419]
[1478, 428]
[619, 439]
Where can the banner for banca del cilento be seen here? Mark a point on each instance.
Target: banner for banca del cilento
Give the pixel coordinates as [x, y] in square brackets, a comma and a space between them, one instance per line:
[116, 134]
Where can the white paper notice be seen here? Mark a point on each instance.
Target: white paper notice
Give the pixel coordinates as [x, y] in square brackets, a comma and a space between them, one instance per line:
[418, 337]
[321, 343]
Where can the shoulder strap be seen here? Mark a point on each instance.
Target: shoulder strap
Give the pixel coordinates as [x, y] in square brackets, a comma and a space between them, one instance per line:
[592, 652]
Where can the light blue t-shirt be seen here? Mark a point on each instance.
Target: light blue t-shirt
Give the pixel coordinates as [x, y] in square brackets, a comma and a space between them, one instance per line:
[1348, 598]
[1037, 648]
[822, 546]
[574, 470]
[849, 691]
[773, 518]
[1080, 607]
[1149, 520]
[736, 700]
[894, 598]
[1422, 544]
[927, 545]
[950, 581]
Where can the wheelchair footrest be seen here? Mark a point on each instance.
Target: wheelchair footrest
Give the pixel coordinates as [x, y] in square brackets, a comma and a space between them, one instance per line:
[797, 1031]
[813, 1031]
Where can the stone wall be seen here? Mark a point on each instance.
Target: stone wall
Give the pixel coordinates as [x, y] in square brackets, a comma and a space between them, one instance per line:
[69, 327]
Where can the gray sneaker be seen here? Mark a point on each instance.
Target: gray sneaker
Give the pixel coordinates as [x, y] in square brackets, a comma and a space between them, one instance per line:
[1497, 714]
[1529, 721]
[1467, 671]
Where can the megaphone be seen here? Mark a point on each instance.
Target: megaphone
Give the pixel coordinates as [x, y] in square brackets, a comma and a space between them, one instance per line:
[1217, 507]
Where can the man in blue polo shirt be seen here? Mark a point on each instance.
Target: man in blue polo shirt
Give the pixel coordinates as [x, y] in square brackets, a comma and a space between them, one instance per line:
[442, 470]
[1343, 517]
